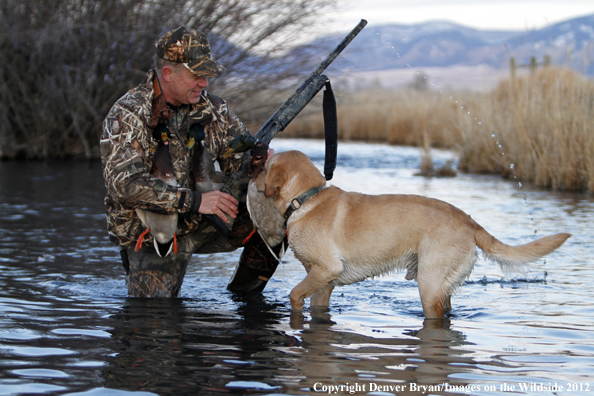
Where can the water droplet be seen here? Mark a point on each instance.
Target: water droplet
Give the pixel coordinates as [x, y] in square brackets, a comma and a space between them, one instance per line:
[511, 166]
[480, 123]
[520, 184]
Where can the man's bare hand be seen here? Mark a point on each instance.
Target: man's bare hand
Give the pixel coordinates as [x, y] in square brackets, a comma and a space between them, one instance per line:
[218, 203]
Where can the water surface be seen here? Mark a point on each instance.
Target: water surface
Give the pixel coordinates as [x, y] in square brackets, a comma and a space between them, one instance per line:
[68, 328]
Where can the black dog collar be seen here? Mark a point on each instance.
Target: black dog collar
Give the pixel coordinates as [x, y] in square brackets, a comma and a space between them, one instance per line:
[297, 202]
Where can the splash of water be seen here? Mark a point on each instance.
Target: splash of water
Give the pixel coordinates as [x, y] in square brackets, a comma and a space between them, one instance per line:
[518, 183]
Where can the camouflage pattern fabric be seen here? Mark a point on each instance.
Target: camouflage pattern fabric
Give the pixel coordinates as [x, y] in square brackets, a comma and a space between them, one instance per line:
[190, 47]
[152, 276]
[127, 150]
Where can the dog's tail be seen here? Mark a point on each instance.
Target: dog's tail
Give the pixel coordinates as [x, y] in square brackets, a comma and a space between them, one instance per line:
[516, 258]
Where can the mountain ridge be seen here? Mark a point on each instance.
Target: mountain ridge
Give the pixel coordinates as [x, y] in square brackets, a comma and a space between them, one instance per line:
[443, 44]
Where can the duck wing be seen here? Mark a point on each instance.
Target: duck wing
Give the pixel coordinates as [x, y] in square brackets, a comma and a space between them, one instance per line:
[202, 170]
[267, 220]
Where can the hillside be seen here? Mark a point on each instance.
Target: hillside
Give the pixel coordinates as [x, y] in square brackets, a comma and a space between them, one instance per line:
[445, 44]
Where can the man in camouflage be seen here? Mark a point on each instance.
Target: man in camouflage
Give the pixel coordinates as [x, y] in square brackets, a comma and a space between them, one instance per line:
[172, 100]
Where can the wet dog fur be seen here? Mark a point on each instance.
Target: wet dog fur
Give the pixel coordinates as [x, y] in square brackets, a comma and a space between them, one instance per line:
[345, 237]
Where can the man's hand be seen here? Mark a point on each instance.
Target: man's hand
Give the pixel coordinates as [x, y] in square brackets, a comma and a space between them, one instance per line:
[218, 203]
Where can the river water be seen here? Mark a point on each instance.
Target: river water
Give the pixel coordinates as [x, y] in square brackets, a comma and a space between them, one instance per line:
[68, 328]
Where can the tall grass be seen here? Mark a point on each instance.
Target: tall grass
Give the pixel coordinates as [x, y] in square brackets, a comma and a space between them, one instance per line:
[544, 124]
[407, 117]
[538, 128]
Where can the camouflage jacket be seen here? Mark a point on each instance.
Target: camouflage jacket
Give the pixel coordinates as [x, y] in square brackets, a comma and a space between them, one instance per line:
[127, 150]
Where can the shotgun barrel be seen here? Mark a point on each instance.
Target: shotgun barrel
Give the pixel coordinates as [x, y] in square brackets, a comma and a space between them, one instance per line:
[304, 93]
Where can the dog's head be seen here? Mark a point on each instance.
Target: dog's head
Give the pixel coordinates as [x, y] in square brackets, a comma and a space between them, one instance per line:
[288, 175]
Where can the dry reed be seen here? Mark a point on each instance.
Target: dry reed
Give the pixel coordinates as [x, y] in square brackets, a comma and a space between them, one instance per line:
[408, 117]
[538, 129]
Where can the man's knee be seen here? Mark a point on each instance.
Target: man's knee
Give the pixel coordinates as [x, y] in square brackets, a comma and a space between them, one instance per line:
[149, 275]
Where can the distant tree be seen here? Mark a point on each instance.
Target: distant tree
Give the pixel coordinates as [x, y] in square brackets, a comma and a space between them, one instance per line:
[63, 63]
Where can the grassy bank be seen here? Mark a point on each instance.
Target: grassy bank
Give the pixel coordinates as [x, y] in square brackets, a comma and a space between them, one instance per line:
[538, 129]
[405, 117]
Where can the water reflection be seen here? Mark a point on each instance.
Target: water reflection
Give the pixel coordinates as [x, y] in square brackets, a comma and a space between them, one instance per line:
[172, 346]
[67, 326]
[425, 356]
[167, 345]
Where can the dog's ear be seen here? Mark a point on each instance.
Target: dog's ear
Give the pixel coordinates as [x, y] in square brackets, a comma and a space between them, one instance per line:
[275, 179]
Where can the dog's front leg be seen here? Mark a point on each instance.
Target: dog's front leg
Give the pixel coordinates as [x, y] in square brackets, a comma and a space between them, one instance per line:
[315, 280]
[321, 298]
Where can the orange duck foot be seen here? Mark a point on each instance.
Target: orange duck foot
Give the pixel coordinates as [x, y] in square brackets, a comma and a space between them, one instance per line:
[248, 237]
[141, 239]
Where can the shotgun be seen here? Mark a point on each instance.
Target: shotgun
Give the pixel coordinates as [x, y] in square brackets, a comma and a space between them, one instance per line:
[305, 92]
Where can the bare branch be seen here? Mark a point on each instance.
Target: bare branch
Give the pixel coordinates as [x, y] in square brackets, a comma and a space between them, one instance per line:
[63, 63]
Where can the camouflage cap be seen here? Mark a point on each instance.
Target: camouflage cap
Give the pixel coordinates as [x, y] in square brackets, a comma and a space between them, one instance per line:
[190, 47]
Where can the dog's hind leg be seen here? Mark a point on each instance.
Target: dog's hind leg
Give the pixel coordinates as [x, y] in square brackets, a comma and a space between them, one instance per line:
[322, 297]
[445, 260]
[433, 300]
[316, 279]
[434, 278]
[447, 307]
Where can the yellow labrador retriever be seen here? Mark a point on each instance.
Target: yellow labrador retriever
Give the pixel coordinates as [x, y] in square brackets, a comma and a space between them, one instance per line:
[345, 237]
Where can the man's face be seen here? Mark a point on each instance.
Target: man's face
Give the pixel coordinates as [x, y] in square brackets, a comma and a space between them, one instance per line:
[185, 87]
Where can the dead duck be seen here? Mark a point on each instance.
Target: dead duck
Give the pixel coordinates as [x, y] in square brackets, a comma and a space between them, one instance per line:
[161, 226]
[204, 178]
[268, 221]
[241, 144]
[202, 169]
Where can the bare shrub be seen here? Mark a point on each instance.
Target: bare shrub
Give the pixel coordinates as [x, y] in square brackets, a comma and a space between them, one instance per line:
[64, 62]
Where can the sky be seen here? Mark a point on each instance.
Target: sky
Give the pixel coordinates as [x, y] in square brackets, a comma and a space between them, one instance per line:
[487, 15]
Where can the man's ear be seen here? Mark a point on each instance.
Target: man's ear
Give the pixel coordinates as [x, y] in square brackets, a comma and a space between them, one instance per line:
[168, 73]
[275, 179]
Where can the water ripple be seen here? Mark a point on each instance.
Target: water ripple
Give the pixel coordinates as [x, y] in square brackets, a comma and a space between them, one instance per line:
[67, 326]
